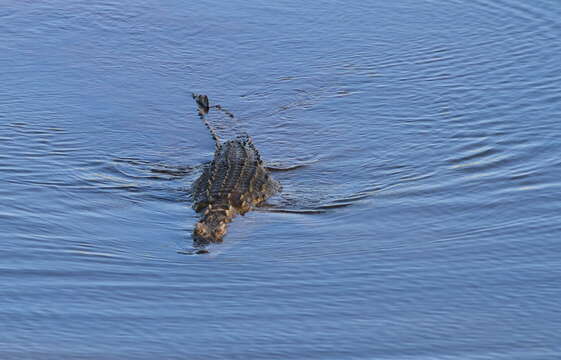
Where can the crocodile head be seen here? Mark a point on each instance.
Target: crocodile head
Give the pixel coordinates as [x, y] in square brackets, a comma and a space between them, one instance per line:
[211, 228]
[204, 234]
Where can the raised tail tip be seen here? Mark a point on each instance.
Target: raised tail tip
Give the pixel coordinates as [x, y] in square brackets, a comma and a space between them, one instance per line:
[202, 102]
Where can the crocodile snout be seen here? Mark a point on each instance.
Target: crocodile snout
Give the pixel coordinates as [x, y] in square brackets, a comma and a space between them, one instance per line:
[204, 234]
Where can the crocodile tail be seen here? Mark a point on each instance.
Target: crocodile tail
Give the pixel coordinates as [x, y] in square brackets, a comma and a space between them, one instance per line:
[202, 102]
[203, 105]
[221, 122]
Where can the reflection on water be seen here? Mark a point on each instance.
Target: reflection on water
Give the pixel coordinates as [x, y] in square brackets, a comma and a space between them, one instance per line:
[417, 144]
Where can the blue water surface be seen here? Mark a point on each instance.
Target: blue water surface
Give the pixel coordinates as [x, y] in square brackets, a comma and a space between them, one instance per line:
[421, 219]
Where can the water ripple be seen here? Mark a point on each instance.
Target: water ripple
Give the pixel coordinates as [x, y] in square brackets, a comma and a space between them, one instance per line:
[416, 142]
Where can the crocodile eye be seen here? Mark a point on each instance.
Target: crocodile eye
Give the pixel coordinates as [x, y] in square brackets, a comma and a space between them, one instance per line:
[201, 230]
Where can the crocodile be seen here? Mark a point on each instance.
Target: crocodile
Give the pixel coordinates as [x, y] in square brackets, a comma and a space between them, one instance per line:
[234, 182]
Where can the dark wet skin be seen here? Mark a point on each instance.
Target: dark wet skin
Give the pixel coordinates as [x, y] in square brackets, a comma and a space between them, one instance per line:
[235, 181]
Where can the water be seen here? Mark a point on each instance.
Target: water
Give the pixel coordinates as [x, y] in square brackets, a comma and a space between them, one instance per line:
[421, 219]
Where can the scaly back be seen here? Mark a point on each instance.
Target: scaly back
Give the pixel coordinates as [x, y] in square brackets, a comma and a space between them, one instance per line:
[233, 182]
